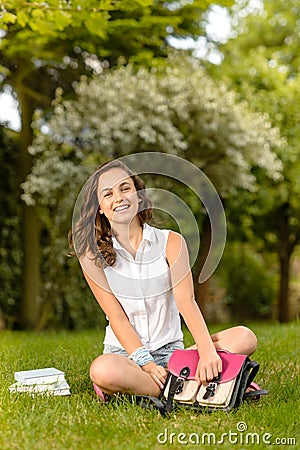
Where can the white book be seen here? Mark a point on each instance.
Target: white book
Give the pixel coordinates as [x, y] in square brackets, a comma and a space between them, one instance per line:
[57, 393]
[57, 388]
[40, 376]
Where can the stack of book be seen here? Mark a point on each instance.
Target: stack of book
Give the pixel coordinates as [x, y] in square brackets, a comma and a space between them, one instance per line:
[48, 381]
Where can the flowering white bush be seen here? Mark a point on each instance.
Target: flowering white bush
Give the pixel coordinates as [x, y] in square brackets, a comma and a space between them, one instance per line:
[177, 110]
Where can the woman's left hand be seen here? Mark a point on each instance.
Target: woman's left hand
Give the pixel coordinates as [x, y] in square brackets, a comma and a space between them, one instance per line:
[157, 373]
[209, 367]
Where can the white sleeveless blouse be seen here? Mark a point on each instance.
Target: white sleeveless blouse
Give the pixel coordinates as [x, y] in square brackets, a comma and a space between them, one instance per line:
[142, 285]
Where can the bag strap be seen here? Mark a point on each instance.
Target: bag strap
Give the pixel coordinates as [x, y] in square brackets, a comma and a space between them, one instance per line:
[256, 394]
[148, 402]
[253, 366]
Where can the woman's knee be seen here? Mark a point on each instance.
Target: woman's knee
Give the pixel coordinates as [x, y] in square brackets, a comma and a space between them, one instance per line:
[103, 370]
[249, 339]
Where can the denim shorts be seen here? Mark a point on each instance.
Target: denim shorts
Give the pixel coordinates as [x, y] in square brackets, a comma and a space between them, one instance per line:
[161, 355]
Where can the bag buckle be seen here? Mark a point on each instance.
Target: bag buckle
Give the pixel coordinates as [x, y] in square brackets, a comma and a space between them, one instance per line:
[184, 373]
[212, 386]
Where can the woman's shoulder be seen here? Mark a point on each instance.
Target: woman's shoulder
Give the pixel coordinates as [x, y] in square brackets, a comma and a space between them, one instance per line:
[175, 239]
[153, 233]
[173, 236]
[172, 241]
[154, 229]
[89, 266]
[177, 251]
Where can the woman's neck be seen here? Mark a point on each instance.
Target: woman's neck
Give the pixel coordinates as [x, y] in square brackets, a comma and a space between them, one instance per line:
[129, 235]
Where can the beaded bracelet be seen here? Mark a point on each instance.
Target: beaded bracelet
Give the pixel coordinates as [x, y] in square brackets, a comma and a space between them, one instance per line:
[141, 356]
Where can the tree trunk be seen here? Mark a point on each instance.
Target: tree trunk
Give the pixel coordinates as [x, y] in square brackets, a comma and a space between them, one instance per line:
[284, 254]
[29, 308]
[283, 298]
[31, 269]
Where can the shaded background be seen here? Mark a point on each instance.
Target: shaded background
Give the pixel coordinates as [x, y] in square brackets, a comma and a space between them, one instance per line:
[96, 80]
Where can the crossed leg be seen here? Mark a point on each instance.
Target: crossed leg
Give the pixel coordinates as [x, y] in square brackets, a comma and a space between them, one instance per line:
[238, 339]
[116, 373]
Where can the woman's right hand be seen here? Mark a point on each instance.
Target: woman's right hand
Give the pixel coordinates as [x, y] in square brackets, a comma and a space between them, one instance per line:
[157, 373]
[209, 366]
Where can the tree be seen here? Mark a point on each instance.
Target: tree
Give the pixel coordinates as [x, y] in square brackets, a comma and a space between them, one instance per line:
[46, 45]
[10, 225]
[162, 111]
[262, 65]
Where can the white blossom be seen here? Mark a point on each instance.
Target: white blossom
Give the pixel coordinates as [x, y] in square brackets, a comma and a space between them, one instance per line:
[177, 110]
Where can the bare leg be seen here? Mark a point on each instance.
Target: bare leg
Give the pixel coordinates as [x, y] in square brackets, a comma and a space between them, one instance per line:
[238, 339]
[116, 373]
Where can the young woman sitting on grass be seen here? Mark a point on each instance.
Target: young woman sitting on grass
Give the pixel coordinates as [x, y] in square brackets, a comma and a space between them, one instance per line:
[141, 278]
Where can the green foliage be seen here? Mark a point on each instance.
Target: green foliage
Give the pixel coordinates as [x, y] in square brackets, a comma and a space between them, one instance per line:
[52, 43]
[125, 111]
[273, 30]
[45, 45]
[262, 65]
[58, 15]
[110, 29]
[250, 285]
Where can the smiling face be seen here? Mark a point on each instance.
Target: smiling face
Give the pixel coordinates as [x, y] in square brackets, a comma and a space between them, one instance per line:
[117, 196]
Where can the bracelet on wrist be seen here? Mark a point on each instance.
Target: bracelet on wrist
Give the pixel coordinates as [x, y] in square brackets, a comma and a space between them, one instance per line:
[141, 356]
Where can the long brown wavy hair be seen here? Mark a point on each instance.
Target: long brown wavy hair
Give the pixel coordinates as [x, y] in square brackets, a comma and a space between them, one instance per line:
[92, 232]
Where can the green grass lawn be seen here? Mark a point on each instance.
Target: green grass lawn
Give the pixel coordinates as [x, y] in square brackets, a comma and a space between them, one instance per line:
[80, 421]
